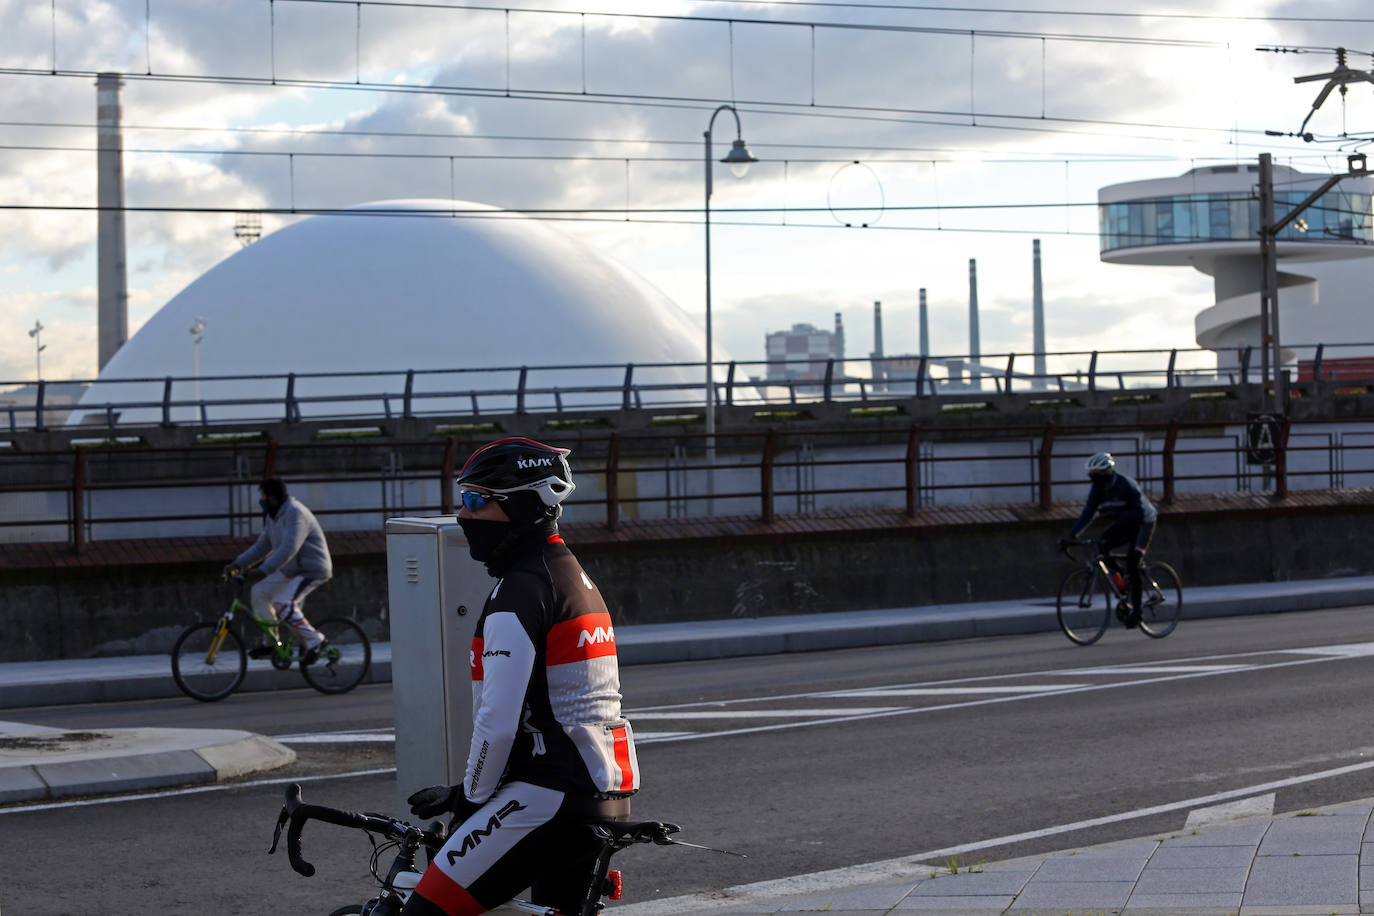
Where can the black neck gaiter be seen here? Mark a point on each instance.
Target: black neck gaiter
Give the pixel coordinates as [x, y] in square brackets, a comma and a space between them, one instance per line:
[500, 544]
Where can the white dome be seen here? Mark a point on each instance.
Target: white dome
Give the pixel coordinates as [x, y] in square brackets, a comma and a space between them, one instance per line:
[388, 293]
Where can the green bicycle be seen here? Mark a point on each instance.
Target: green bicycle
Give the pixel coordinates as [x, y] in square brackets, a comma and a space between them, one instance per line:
[209, 660]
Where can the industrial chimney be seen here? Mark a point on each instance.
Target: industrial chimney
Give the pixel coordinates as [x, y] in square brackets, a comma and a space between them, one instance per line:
[925, 326]
[879, 370]
[1037, 316]
[112, 313]
[974, 347]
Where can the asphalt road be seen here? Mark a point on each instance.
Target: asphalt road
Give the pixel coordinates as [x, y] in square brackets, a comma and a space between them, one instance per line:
[804, 762]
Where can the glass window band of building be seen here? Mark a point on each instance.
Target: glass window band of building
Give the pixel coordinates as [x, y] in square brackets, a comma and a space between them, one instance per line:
[1192, 218]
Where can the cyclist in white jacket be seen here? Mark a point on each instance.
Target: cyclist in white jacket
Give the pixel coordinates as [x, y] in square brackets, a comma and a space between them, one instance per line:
[294, 559]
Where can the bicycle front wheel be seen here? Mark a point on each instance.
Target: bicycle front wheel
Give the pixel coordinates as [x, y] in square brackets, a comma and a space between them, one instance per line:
[206, 664]
[1084, 608]
[345, 660]
[1161, 600]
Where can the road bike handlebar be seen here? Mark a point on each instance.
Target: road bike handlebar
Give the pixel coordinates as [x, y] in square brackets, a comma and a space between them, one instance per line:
[297, 812]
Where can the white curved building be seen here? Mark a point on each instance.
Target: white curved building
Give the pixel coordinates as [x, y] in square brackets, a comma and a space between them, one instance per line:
[1208, 219]
[385, 291]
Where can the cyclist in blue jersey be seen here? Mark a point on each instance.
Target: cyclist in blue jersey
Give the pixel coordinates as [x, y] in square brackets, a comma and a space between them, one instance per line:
[1120, 498]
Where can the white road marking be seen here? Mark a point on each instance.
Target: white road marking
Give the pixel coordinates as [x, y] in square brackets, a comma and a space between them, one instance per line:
[1154, 669]
[1348, 650]
[1259, 806]
[338, 738]
[764, 713]
[952, 691]
[192, 790]
[920, 863]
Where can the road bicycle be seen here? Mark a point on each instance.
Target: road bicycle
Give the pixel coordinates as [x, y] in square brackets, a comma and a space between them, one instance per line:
[1088, 595]
[209, 660]
[403, 874]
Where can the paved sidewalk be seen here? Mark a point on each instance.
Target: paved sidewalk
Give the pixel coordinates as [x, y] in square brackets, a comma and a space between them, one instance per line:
[1308, 863]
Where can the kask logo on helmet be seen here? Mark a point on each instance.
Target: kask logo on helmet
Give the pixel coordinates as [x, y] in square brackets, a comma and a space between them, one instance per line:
[525, 463]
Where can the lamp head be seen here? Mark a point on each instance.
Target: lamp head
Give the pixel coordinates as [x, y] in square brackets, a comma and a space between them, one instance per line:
[739, 158]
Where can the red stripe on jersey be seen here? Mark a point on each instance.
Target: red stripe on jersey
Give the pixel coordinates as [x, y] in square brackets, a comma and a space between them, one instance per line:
[555, 539]
[582, 638]
[447, 894]
[622, 759]
[475, 658]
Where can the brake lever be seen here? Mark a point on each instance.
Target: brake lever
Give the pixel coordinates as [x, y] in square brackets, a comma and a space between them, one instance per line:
[282, 818]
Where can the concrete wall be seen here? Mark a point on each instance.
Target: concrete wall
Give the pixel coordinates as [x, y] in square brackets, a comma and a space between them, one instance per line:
[796, 567]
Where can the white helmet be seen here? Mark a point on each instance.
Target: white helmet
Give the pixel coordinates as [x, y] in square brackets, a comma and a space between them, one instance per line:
[1101, 463]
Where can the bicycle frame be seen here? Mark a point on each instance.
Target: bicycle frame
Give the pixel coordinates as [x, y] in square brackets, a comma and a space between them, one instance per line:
[270, 627]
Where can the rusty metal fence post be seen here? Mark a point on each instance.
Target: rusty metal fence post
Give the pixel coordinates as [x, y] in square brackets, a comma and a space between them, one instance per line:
[1281, 459]
[446, 504]
[1046, 454]
[913, 470]
[770, 450]
[613, 482]
[79, 502]
[269, 460]
[1170, 443]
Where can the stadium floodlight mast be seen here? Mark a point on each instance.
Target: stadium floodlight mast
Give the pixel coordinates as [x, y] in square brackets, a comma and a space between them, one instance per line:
[197, 332]
[739, 159]
[38, 348]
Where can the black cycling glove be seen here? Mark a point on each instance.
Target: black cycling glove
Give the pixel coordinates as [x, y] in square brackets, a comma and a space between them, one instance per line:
[433, 801]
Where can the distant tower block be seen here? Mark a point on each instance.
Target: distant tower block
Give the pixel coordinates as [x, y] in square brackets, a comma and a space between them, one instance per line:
[112, 311]
[1037, 316]
[248, 228]
[925, 326]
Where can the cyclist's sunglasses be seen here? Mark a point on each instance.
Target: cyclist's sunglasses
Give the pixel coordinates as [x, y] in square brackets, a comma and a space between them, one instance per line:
[474, 501]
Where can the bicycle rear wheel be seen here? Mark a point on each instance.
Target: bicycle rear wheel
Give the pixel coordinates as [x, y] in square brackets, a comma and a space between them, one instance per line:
[1161, 600]
[345, 660]
[206, 668]
[1084, 607]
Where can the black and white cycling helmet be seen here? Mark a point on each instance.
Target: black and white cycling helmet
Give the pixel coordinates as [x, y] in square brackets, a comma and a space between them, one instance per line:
[1101, 463]
[508, 467]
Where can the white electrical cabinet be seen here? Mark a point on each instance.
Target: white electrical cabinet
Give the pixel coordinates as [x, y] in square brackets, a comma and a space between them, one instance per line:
[436, 594]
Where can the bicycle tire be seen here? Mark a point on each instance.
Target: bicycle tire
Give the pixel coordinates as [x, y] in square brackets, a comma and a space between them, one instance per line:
[1159, 619]
[345, 661]
[202, 679]
[1081, 616]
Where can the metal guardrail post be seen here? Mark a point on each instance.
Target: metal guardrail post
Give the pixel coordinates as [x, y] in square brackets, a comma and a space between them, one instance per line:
[1011, 360]
[613, 482]
[1046, 454]
[519, 394]
[410, 391]
[921, 371]
[1317, 364]
[38, 423]
[79, 501]
[269, 460]
[1170, 442]
[730, 385]
[829, 378]
[770, 451]
[1092, 372]
[627, 389]
[1169, 373]
[913, 470]
[1245, 365]
[446, 503]
[167, 401]
[1281, 459]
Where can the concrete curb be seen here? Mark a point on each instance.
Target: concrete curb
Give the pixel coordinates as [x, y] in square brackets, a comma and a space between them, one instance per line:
[47, 764]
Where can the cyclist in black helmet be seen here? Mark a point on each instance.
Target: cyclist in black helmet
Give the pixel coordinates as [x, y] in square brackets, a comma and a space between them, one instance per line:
[1120, 498]
[550, 748]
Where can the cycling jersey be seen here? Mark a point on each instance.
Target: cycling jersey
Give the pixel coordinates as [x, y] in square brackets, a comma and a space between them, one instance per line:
[546, 684]
[1120, 498]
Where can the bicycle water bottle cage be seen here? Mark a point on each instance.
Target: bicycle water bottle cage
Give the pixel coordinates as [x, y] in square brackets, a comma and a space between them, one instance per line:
[614, 885]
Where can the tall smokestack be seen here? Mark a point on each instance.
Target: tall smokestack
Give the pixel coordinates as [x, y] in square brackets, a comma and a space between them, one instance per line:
[839, 339]
[879, 371]
[1037, 316]
[974, 348]
[925, 326]
[112, 314]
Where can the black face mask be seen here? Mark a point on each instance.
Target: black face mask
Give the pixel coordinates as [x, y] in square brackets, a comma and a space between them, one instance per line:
[485, 536]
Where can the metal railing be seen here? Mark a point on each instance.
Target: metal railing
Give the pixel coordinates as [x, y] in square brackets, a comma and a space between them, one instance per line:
[906, 468]
[114, 404]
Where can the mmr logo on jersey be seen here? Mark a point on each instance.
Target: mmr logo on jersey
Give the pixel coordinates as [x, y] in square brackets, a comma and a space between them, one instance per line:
[473, 839]
[599, 635]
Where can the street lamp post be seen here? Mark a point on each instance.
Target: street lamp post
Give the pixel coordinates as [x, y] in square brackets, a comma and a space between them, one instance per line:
[738, 159]
[197, 332]
[38, 348]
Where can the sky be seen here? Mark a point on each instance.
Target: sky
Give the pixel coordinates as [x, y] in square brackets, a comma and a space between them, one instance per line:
[897, 139]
